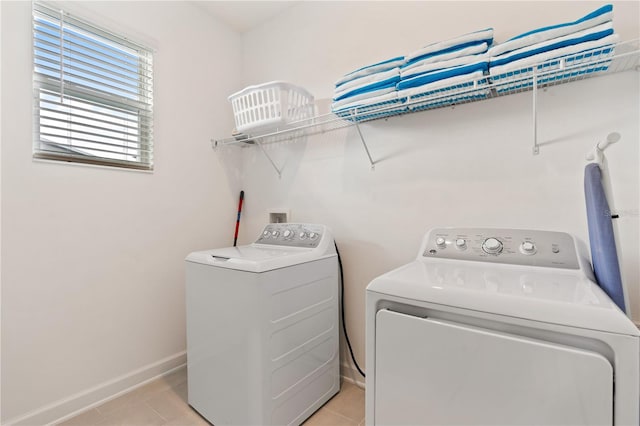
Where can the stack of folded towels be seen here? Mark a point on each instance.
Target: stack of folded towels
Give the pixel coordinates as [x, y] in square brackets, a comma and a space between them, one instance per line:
[368, 87]
[440, 68]
[588, 39]
[437, 67]
[469, 66]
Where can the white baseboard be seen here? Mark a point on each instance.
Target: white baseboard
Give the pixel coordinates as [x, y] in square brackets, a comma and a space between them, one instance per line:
[73, 405]
[351, 375]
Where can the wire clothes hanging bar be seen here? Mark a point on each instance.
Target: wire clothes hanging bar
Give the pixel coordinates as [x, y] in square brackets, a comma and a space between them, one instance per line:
[624, 56]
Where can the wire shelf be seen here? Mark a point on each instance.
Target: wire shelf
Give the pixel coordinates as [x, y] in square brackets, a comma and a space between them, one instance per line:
[623, 56]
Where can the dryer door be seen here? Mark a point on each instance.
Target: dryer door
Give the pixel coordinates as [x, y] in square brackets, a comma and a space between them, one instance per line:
[434, 372]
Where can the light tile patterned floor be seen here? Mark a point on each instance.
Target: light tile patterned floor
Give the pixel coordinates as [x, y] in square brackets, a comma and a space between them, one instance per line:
[164, 402]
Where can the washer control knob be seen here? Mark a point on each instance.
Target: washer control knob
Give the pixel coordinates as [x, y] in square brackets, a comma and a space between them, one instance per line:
[528, 248]
[313, 235]
[461, 243]
[492, 246]
[302, 235]
[275, 234]
[287, 233]
[266, 234]
[440, 242]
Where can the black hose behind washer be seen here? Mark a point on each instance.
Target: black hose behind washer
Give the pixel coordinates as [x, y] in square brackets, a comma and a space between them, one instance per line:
[344, 324]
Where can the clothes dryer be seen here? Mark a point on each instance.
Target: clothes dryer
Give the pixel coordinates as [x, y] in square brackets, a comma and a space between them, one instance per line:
[262, 327]
[498, 327]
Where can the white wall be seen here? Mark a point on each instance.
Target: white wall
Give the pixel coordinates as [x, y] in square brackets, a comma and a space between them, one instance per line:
[92, 258]
[465, 166]
[92, 280]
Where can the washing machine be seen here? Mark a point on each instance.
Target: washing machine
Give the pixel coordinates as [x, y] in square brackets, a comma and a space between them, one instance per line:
[262, 327]
[498, 327]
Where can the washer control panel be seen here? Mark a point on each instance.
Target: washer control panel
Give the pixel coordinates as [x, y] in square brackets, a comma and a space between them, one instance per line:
[291, 235]
[511, 246]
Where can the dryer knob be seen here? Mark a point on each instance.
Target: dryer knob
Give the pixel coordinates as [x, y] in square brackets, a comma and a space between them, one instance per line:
[266, 234]
[313, 235]
[441, 242]
[461, 243]
[275, 233]
[492, 246]
[287, 233]
[302, 235]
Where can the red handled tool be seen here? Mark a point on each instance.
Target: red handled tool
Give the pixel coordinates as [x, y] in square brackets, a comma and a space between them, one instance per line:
[235, 236]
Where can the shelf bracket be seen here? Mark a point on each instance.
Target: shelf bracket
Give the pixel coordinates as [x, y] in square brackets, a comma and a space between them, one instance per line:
[364, 143]
[536, 148]
[266, 154]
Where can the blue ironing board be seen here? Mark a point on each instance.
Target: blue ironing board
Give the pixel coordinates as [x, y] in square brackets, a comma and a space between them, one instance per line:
[601, 238]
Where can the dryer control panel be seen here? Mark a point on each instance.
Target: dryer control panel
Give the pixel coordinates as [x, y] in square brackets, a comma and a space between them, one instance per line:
[510, 246]
[291, 235]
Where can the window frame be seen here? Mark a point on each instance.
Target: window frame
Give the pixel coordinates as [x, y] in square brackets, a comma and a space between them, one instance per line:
[85, 109]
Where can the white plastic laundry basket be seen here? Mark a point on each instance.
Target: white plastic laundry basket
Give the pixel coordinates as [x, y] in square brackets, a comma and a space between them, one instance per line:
[270, 105]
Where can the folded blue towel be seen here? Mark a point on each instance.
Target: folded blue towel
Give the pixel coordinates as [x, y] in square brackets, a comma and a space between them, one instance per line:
[517, 82]
[573, 54]
[599, 16]
[362, 98]
[376, 107]
[465, 84]
[449, 56]
[381, 98]
[373, 68]
[429, 66]
[558, 65]
[452, 45]
[372, 87]
[590, 34]
[431, 77]
[367, 80]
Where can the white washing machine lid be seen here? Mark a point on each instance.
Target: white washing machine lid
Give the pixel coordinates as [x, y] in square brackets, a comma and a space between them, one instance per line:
[256, 257]
[538, 294]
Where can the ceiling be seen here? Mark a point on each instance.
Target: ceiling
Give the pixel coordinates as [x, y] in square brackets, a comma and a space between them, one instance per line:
[242, 16]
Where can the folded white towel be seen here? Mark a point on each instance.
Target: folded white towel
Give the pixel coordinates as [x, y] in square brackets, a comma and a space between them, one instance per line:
[371, 69]
[455, 43]
[365, 98]
[599, 16]
[462, 53]
[388, 97]
[366, 80]
[421, 68]
[466, 80]
[571, 52]
[589, 34]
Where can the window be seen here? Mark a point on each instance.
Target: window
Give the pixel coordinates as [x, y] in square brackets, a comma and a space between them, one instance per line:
[93, 96]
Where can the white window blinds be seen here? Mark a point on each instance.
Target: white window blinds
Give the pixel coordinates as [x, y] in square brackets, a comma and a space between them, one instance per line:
[93, 93]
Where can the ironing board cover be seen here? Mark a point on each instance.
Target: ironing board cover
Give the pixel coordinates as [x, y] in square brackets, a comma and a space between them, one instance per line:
[601, 238]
